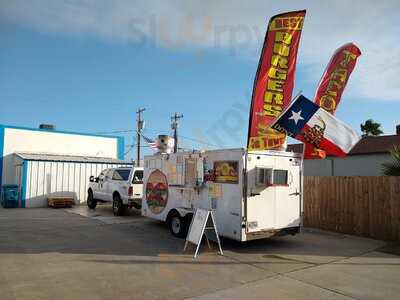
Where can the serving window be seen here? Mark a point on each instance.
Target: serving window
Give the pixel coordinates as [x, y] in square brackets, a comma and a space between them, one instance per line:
[280, 177]
[271, 177]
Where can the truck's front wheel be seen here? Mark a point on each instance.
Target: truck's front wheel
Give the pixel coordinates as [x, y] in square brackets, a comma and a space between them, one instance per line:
[91, 202]
[177, 225]
[118, 206]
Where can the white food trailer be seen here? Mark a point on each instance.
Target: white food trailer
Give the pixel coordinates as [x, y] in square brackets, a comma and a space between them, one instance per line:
[253, 195]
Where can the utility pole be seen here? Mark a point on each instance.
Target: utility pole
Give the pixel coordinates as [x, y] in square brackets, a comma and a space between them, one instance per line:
[174, 126]
[140, 126]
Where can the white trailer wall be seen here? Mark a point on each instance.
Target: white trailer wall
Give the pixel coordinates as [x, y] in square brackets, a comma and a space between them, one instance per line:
[41, 179]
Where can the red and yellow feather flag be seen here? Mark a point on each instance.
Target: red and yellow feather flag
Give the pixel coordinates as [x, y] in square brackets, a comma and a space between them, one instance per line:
[274, 81]
[331, 86]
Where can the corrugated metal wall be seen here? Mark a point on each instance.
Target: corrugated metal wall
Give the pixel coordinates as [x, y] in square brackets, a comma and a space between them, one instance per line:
[47, 178]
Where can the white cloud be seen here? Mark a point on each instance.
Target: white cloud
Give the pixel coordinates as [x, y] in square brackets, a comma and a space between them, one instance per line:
[238, 26]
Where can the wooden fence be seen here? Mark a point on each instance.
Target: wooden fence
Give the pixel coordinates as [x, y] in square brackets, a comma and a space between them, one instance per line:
[366, 206]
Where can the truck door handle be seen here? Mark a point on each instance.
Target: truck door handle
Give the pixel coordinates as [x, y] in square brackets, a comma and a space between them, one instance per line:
[294, 194]
[254, 194]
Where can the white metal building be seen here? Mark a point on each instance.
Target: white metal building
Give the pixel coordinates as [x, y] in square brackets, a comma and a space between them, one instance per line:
[47, 163]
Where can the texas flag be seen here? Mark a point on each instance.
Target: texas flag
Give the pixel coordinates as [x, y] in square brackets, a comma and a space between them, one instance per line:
[309, 123]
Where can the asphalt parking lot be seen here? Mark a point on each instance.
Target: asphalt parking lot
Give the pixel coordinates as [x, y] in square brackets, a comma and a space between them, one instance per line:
[81, 254]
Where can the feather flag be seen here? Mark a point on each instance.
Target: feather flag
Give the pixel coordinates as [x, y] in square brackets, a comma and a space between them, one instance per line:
[332, 84]
[274, 81]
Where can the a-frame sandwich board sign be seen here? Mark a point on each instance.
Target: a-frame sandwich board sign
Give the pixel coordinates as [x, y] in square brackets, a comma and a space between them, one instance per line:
[203, 223]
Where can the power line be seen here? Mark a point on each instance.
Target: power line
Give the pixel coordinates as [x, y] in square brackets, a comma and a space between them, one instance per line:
[198, 141]
[182, 136]
[129, 150]
[123, 131]
[116, 131]
[191, 139]
[134, 145]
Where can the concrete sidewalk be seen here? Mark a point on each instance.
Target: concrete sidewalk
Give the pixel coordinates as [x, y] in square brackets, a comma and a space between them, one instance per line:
[81, 254]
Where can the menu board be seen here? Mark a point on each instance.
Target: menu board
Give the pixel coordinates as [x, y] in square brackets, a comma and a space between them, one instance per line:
[226, 171]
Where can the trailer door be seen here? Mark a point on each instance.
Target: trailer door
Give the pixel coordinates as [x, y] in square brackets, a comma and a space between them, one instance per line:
[260, 204]
[287, 197]
[273, 193]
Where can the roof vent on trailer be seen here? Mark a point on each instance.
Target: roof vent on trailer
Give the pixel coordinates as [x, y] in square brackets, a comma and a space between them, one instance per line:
[47, 126]
[165, 144]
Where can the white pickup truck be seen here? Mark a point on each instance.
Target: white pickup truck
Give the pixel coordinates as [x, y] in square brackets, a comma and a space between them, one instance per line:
[121, 186]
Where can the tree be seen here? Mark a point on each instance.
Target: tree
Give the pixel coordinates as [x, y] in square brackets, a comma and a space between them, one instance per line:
[393, 168]
[371, 128]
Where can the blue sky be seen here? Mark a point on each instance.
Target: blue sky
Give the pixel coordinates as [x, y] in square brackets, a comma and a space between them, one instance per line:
[83, 66]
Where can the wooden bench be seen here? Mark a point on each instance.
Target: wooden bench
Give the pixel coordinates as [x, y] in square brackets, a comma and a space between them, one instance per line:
[60, 202]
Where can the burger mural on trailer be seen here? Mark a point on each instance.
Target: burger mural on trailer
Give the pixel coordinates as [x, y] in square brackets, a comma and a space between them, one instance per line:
[157, 192]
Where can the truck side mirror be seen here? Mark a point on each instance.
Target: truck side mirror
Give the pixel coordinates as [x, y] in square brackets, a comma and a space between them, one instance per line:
[91, 178]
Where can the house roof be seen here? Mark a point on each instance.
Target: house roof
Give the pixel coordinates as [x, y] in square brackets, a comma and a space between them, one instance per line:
[367, 145]
[69, 158]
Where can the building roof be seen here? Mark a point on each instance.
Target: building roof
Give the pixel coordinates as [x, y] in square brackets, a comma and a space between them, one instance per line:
[376, 144]
[60, 131]
[367, 145]
[70, 158]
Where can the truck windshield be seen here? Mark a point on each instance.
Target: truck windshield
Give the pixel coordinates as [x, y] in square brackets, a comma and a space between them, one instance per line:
[138, 177]
[122, 174]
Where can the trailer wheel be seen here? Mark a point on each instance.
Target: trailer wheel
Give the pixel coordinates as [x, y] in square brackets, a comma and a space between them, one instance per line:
[90, 201]
[177, 225]
[118, 207]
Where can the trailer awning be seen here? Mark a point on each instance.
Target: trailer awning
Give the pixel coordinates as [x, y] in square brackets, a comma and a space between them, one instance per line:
[69, 158]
